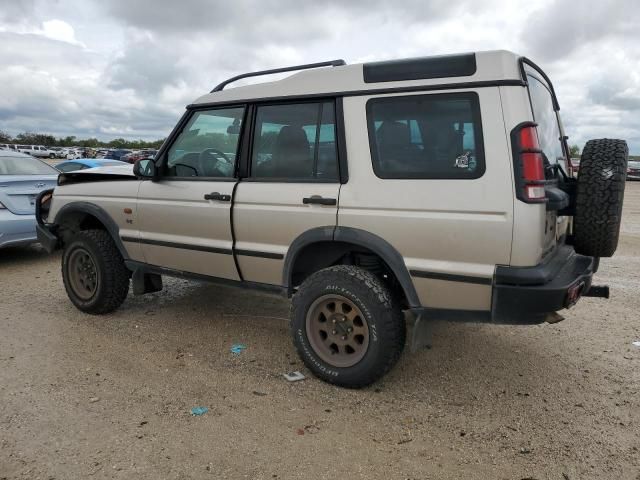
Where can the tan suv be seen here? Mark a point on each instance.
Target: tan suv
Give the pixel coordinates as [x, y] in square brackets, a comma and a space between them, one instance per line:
[437, 185]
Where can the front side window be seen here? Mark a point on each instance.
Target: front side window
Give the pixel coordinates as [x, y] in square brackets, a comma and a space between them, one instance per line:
[208, 145]
[426, 136]
[545, 116]
[295, 141]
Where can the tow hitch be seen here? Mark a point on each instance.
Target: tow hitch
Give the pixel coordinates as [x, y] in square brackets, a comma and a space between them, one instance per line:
[601, 291]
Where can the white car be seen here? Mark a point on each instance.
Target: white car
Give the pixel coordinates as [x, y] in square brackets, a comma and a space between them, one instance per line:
[37, 151]
[72, 154]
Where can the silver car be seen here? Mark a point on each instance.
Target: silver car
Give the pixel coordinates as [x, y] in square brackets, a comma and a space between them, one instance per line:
[22, 177]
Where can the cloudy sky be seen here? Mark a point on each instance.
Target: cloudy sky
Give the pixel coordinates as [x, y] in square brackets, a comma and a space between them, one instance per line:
[127, 68]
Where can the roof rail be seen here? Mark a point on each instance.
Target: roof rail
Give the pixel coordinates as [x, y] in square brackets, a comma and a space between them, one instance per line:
[331, 63]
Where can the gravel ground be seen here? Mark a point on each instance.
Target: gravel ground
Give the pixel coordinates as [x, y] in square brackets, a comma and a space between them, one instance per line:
[110, 397]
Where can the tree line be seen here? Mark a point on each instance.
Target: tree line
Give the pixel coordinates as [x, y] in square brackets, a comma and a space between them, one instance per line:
[30, 138]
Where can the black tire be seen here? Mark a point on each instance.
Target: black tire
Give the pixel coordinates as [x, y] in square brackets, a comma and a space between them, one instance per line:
[600, 192]
[380, 311]
[111, 274]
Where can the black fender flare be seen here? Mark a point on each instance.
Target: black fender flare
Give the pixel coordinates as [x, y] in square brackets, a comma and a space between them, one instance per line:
[100, 214]
[355, 236]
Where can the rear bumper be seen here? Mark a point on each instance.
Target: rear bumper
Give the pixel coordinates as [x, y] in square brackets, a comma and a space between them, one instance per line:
[16, 229]
[530, 294]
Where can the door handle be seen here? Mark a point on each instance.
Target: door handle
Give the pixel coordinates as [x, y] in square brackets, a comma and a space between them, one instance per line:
[217, 196]
[318, 200]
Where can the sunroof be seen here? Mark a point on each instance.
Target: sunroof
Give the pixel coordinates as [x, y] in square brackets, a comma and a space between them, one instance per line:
[420, 68]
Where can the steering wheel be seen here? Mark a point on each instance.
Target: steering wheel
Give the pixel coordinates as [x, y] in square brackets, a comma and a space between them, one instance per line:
[204, 166]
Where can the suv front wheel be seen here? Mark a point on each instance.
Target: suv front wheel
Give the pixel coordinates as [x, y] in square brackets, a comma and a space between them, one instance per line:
[94, 274]
[347, 326]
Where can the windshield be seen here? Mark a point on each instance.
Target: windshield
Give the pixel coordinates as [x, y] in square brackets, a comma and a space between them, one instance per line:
[546, 117]
[24, 166]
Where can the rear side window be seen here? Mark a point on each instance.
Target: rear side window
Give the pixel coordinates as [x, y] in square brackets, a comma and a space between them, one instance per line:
[546, 118]
[426, 136]
[295, 141]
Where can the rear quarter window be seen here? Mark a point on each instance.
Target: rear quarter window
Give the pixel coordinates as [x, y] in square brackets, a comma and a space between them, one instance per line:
[546, 117]
[431, 136]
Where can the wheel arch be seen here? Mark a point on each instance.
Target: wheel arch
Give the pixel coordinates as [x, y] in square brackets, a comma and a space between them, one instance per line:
[84, 215]
[343, 239]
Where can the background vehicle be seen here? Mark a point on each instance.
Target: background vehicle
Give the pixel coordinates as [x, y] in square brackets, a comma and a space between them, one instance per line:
[8, 146]
[84, 163]
[21, 178]
[633, 170]
[575, 165]
[59, 152]
[135, 156]
[116, 154]
[434, 185]
[73, 153]
[36, 151]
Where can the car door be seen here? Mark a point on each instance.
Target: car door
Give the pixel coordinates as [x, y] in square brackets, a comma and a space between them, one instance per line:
[185, 216]
[433, 177]
[292, 185]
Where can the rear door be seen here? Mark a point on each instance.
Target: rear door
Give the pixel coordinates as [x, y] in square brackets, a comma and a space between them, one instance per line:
[185, 217]
[431, 174]
[292, 185]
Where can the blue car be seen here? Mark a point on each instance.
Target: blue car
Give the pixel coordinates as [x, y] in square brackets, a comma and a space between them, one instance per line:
[22, 177]
[83, 163]
[116, 154]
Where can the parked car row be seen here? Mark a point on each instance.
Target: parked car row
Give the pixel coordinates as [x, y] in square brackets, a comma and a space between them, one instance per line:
[73, 153]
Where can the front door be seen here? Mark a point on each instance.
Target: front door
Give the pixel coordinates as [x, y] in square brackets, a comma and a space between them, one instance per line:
[185, 217]
[292, 187]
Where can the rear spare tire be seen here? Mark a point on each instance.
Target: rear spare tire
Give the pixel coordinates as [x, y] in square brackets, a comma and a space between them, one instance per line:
[600, 191]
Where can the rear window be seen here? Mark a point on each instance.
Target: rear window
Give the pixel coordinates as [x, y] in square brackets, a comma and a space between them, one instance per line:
[545, 116]
[24, 166]
[435, 136]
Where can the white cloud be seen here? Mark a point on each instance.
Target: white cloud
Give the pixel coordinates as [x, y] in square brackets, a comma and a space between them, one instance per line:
[59, 30]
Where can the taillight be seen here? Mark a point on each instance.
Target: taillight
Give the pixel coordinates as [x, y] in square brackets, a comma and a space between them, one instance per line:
[528, 163]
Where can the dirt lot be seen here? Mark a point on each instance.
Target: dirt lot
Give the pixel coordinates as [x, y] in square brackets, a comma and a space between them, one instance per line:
[110, 397]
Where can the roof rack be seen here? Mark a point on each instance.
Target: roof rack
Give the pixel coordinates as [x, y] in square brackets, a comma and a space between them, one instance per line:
[331, 63]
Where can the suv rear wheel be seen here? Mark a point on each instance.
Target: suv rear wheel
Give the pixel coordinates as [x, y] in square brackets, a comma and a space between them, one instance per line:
[347, 326]
[94, 274]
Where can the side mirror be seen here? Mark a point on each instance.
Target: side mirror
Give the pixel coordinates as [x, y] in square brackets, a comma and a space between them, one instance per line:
[145, 168]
